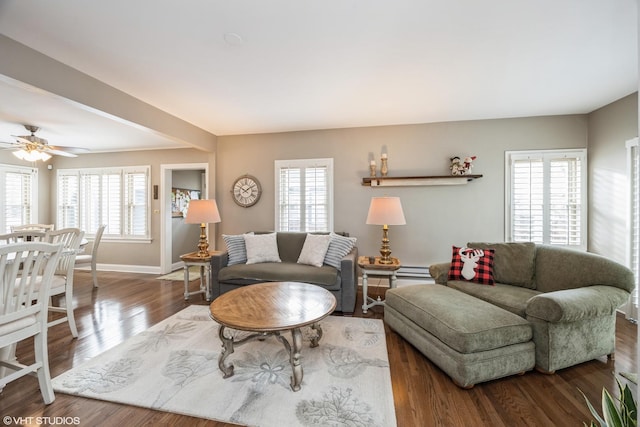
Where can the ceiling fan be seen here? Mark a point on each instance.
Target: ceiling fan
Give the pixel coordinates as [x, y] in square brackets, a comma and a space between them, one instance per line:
[32, 148]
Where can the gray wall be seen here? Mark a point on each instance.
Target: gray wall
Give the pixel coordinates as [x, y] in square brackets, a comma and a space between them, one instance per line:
[121, 253]
[437, 217]
[609, 128]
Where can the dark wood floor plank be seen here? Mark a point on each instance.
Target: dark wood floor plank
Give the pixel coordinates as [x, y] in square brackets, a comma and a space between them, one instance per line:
[127, 304]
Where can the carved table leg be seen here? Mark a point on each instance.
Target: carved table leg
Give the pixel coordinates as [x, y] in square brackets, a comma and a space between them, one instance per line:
[294, 356]
[315, 340]
[227, 349]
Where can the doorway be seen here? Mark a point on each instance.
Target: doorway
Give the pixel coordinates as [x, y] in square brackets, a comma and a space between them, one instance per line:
[166, 220]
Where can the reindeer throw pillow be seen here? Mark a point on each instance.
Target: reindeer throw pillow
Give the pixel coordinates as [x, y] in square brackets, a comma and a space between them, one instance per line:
[473, 265]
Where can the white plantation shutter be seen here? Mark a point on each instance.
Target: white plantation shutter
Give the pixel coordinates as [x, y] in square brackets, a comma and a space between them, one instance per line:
[136, 207]
[304, 195]
[117, 197]
[19, 204]
[546, 197]
[633, 168]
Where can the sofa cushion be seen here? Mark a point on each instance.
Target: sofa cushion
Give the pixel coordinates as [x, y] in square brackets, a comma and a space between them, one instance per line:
[510, 298]
[278, 272]
[513, 263]
[464, 323]
[261, 248]
[314, 249]
[236, 248]
[474, 265]
[339, 247]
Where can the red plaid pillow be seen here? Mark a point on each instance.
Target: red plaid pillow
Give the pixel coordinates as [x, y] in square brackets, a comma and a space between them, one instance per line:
[473, 265]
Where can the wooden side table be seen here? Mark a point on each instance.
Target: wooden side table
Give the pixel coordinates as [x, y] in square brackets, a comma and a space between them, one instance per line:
[376, 269]
[205, 272]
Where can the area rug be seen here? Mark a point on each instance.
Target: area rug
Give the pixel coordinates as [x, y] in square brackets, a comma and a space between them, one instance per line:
[173, 367]
[194, 273]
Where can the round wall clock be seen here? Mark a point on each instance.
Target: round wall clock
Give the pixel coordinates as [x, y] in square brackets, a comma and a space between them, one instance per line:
[246, 191]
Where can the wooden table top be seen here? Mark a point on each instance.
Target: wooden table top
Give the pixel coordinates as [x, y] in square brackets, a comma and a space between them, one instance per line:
[363, 262]
[272, 306]
[194, 257]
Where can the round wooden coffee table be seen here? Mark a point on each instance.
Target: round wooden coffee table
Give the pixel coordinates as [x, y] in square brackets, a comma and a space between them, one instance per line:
[269, 309]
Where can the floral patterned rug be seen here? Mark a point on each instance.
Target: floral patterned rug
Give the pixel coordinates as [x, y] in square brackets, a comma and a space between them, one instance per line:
[173, 367]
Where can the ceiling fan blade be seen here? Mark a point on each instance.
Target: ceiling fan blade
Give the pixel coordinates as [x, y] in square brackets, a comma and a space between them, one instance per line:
[58, 152]
[9, 144]
[74, 150]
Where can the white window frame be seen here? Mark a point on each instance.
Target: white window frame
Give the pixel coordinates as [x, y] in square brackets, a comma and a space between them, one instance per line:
[82, 215]
[546, 156]
[633, 223]
[30, 208]
[303, 164]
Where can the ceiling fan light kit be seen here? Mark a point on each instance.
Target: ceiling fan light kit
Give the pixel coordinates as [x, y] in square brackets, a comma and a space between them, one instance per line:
[32, 148]
[31, 156]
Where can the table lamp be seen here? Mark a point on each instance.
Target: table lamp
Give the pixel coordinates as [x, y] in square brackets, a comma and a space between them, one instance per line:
[202, 212]
[385, 211]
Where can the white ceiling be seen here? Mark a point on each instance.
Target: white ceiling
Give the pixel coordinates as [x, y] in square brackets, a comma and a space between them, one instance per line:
[301, 64]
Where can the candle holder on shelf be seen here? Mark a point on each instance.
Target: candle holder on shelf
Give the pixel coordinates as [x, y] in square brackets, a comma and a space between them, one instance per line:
[372, 169]
[384, 169]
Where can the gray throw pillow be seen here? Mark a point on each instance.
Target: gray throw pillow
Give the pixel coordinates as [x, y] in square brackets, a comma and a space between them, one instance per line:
[513, 263]
[236, 248]
[339, 246]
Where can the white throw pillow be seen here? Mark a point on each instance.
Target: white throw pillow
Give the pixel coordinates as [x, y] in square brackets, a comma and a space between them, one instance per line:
[261, 248]
[314, 249]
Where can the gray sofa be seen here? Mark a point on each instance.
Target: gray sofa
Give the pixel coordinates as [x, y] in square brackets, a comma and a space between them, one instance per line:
[342, 282]
[568, 297]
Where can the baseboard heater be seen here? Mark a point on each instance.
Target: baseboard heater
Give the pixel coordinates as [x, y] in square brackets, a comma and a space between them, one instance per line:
[411, 272]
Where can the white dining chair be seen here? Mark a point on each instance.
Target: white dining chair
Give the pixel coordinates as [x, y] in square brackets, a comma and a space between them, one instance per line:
[26, 272]
[22, 236]
[32, 227]
[62, 282]
[91, 259]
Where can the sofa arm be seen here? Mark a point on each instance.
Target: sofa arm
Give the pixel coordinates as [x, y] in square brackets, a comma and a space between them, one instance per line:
[440, 272]
[349, 280]
[571, 305]
[218, 262]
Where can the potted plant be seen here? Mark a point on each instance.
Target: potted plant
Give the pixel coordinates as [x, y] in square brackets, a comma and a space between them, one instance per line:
[616, 412]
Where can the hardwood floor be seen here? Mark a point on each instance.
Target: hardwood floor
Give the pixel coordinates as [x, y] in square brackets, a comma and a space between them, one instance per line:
[126, 304]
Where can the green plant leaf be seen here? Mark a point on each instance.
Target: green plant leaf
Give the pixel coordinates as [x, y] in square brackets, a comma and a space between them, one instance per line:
[610, 412]
[593, 412]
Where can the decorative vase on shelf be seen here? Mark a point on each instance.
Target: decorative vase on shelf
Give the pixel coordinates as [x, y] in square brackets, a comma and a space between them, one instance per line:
[372, 169]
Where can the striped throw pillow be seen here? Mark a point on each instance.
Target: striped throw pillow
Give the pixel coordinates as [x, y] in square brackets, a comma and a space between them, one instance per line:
[339, 246]
[236, 248]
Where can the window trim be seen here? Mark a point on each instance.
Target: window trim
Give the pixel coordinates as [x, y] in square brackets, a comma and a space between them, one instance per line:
[122, 170]
[4, 169]
[304, 163]
[633, 150]
[510, 155]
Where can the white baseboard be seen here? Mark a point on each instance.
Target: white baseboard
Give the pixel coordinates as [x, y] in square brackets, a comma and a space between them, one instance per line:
[126, 268]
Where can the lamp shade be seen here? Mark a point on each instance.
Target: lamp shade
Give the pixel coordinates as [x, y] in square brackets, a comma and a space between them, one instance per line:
[202, 212]
[386, 211]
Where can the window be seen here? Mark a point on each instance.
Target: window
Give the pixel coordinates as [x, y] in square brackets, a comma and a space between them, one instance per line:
[304, 196]
[117, 197]
[20, 201]
[633, 168]
[546, 197]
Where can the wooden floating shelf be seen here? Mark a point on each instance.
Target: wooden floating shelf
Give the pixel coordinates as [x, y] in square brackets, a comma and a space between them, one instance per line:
[415, 181]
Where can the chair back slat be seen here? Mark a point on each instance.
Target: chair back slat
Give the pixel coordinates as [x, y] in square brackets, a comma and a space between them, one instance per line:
[26, 271]
[70, 239]
[32, 227]
[22, 236]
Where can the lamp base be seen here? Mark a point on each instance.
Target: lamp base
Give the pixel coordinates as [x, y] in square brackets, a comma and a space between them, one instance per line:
[203, 245]
[385, 249]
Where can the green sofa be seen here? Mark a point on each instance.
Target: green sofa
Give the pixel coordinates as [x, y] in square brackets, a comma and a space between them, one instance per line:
[569, 297]
[342, 282]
